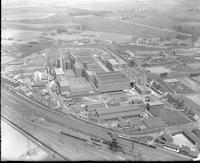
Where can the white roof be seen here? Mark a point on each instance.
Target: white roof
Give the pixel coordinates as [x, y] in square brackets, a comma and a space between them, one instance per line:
[59, 71]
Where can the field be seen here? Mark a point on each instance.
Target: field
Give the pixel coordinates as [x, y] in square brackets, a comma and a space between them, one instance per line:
[197, 43]
[195, 98]
[108, 36]
[22, 35]
[196, 79]
[170, 117]
[180, 88]
[158, 70]
[65, 37]
[195, 66]
[180, 140]
[190, 83]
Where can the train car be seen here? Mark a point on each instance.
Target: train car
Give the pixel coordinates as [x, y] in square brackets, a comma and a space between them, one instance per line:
[96, 141]
[76, 135]
[171, 147]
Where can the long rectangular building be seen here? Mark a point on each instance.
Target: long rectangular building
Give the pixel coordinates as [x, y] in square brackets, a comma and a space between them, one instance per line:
[111, 81]
[111, 113]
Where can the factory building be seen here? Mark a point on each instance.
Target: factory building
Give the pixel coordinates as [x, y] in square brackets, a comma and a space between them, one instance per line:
[191, 136]
[135, 76]
[83, 59]
[111, 81]
[70, 86]
[154, 102]
[89, 75]
[111, 113]
[69, 73]
[116, 64]
[59, 72]
[143, 90]
[64, 87]
[80, 86]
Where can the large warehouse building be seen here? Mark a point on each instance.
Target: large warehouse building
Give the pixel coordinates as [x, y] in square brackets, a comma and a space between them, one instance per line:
[111, 113]
[111, 81]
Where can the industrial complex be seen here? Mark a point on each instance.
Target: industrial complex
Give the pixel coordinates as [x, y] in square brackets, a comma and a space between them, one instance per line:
[87, 94]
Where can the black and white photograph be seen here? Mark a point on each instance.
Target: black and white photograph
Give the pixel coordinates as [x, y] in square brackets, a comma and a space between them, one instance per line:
[100, 80]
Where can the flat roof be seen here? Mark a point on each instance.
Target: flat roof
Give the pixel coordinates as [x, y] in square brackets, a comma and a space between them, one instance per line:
[59, 71]
[113, 76]
[79, 84]
[69, 73]
[113, 61]
[142, 87]
[121, 114]
[119, 109]
[63, 83]
[85, 55]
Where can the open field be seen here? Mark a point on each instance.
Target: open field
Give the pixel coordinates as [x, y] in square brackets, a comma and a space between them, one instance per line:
[197, 43]
[195, 98]
[108, 36]
[195, 66]
[12, 138]
[170, 117]
[65, 37]
[22, 35]
[196, 79]
[179, 87]
[191, 84]
[181, 140]
[158, 70]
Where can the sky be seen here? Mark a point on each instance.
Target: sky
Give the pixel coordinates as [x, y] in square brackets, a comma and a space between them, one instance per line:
[23, 2]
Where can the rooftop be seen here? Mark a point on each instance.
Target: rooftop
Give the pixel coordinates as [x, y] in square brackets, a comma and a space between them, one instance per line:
[69, 73]
[121, 114]
[59, 71]
[119, 109]
[114, 76]
[63, 82]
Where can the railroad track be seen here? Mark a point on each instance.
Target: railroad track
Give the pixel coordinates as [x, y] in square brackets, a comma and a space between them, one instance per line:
[32, 138]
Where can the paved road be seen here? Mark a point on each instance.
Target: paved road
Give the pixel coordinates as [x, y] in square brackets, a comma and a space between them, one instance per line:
[21, 106]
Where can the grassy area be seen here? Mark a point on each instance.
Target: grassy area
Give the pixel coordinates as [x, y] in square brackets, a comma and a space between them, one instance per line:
[180, 88]
[170, 117]
[27, 49]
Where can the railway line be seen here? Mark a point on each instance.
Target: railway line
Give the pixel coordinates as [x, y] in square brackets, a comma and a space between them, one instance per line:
[33, 139]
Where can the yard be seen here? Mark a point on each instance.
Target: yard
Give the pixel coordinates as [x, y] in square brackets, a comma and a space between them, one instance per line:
[180, 88]
[171, 118]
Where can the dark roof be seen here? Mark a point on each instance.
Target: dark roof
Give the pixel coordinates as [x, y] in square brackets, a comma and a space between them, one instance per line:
[191, 135]
[166, 137]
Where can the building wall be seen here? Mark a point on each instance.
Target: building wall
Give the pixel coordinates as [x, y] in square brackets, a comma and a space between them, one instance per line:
[112, 86]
